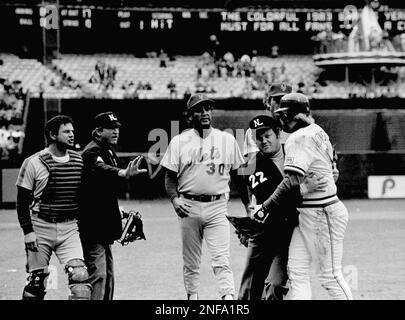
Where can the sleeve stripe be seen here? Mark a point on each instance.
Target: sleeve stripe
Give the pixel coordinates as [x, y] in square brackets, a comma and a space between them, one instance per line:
[295, 169]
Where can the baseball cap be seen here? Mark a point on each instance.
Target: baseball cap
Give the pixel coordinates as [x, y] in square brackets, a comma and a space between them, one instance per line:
[263, 122]
[107, 120]
[279, 89]
[197, 99]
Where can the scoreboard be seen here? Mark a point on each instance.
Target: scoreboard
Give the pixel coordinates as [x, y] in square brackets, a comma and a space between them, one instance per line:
[284, 20]
[184, 28]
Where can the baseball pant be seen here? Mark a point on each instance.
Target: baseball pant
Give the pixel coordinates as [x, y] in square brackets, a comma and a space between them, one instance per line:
[207, 221]
[100, 265]
[265, 273]
[61, 238]
[319, 238]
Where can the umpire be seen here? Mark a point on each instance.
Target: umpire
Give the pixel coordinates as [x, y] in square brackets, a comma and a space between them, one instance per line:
[100, 217]
[268, 252]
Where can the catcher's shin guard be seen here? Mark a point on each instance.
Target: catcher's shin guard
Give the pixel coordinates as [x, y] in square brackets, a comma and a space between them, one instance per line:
[35, 288]
[78, 276]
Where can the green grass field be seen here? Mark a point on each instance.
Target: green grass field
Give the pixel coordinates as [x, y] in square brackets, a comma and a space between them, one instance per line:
[374, 258]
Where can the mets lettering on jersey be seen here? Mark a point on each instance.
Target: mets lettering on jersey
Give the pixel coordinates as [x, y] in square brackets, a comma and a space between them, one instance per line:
[309, 150]
[203, 165]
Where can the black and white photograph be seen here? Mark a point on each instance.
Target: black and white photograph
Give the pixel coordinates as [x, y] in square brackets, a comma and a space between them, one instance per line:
[229, 150]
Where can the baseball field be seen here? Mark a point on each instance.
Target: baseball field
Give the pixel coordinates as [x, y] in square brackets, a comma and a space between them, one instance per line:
[373, 260]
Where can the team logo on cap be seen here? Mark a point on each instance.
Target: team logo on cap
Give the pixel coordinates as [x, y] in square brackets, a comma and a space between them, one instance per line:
[112, 117]
[257, 123]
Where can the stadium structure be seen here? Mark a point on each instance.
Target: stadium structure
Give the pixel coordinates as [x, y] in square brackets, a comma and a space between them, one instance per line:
[143, 59]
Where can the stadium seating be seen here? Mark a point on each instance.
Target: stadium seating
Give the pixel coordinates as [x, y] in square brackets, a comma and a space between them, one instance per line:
[69, 77]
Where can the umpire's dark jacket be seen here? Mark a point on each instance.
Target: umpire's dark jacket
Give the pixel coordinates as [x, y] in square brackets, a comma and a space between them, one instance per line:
[100, 218]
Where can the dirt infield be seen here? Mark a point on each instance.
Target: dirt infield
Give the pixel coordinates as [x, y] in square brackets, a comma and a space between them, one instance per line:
[373, 259]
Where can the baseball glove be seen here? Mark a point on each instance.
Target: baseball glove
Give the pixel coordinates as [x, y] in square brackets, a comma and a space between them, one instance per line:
[245, 228]
[132, 228]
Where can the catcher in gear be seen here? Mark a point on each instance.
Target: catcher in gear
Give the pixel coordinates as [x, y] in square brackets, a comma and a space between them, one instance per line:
[268, 244]
[48, 186]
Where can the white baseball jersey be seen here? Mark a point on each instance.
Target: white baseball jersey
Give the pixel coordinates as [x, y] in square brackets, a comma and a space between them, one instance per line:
[309, 150]
[249, 144]
[203, 165]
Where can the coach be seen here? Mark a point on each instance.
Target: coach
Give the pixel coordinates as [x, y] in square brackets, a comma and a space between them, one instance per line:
[100, 216]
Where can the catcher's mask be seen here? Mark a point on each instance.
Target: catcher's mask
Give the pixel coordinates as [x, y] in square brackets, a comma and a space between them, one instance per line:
[132, 228]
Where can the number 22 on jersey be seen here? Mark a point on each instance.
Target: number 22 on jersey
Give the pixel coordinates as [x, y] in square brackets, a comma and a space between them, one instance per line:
[257, 178]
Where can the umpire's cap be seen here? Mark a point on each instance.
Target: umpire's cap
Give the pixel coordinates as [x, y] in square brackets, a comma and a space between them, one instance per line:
[106, 120]
[293, 103]
[197, 99]
[264, 122]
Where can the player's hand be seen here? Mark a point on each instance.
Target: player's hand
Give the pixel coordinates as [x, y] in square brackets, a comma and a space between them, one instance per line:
[259, 215]
[313, 183]
[248, 209]
[181, 207]
[133, 168]
[124, 214]
[30, 240]
[251, 208]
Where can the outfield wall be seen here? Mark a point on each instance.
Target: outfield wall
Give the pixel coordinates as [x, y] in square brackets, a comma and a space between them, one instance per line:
[369, 141]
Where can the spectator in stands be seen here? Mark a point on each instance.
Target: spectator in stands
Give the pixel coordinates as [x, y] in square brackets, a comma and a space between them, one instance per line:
[163, 59]
[140, 86]
[214, 47]
[172, 89]
[147, 86]
[301, 86]
[100, 71]
[274, 51]
[187, 94]
[253, 61]
[229, 63]
[245, 65]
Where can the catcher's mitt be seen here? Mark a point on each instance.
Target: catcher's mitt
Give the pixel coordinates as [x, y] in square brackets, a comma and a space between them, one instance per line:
[245, 228]
[132, 228]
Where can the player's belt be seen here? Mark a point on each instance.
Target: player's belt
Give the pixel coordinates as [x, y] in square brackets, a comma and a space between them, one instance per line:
[50, 219]
[319, 202]
[202, 197]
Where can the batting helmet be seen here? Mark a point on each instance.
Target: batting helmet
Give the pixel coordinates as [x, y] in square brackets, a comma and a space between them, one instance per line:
[293, 103]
